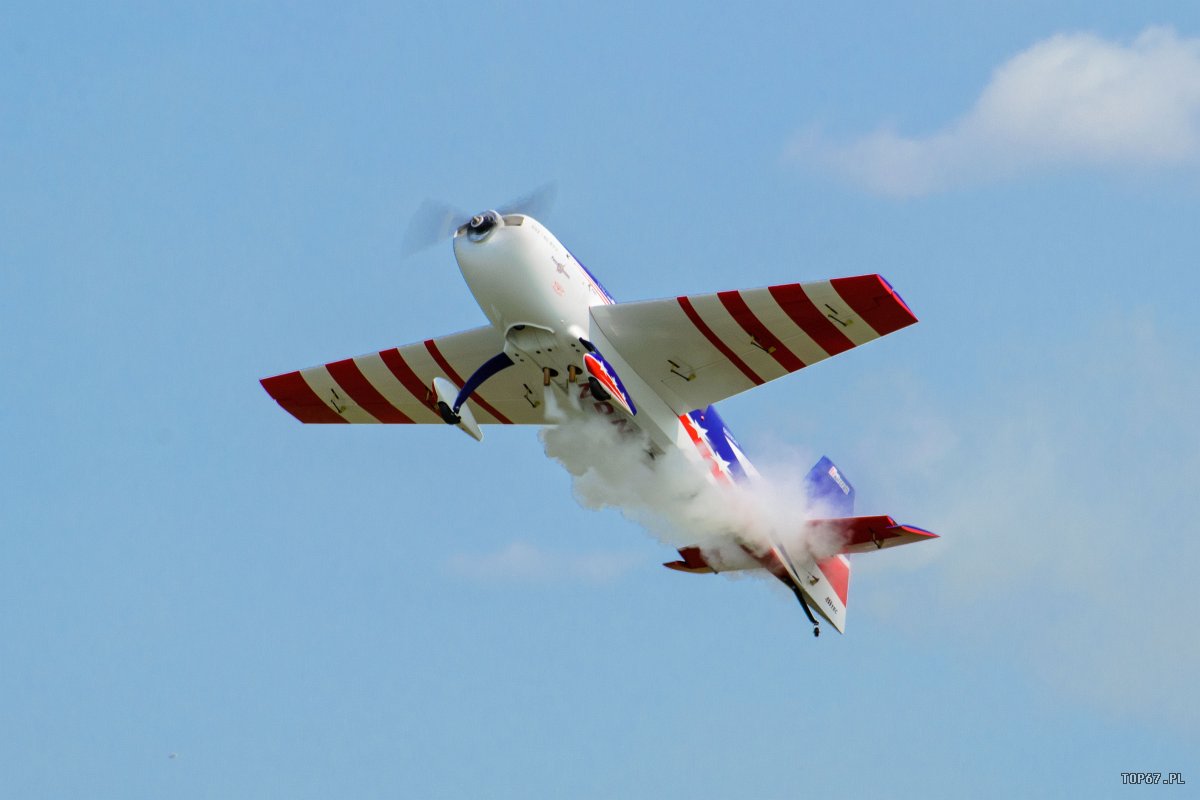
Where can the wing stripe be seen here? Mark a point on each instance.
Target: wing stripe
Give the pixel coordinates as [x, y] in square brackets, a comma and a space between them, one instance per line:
[350, 378]
[403, 372]
[800, 307]
[432, 347]
[873, 299]
[321, 381]
[768, 311]
[384, 380]
[702, 326]
[737, 308]
[298, 399]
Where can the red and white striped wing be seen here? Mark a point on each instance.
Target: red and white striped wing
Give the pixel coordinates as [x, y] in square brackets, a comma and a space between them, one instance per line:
[394, 386]
[704, 348]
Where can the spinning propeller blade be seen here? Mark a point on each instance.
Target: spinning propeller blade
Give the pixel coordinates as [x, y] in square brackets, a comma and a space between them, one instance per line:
[435, 221]
[432, 223]
[537, 202]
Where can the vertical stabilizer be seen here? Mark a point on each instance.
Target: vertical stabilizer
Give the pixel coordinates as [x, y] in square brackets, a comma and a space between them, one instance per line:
[829, 493]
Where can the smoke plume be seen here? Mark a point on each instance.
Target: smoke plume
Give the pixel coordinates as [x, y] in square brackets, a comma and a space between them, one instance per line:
[674, 497]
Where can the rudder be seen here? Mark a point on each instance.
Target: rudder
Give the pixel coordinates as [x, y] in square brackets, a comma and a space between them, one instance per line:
[828, 491]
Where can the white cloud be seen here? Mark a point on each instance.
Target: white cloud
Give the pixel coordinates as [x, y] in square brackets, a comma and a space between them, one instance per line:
[1073, 100]
[1066, 505]
[526, 562]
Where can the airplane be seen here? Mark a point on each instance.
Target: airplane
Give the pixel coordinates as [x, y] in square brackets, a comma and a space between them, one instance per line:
[558, 347]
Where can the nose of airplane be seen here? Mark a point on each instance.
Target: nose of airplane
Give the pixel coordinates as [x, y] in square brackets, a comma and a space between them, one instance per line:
[480, 225]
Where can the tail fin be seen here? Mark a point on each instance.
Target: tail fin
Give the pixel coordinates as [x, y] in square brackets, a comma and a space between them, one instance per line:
[821, 586]
[828, 490]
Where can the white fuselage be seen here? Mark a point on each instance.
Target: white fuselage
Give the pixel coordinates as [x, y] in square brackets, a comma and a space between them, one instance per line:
[521, 275]
[539, 298]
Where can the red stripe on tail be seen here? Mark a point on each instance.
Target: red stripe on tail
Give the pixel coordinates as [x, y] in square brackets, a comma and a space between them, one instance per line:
[837, 571]
[298, 399]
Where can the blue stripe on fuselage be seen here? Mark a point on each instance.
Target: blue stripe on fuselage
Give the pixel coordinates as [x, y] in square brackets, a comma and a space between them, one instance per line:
[721, 440]
[604, 292]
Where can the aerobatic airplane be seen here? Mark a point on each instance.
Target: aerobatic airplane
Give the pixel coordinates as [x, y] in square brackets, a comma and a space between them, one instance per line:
[655, 367]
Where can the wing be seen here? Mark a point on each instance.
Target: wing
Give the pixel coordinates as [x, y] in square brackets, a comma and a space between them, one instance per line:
[704, 348]
[394, 386]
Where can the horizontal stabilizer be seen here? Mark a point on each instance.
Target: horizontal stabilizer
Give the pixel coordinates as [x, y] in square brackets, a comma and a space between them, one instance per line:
[863, 534]
[692, 560]
[857, 535]
[730, 556]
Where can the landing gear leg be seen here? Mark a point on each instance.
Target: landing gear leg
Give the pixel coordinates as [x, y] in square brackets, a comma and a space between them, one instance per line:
[804, 604]
[485, 371]
[572, 373]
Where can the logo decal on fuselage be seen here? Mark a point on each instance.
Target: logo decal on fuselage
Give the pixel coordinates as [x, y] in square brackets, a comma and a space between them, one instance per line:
[561, 267]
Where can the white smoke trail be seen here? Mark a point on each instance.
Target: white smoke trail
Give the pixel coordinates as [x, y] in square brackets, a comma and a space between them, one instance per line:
[675, 499]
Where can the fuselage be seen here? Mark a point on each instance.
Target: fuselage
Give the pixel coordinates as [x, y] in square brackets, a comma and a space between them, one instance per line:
[539, 297]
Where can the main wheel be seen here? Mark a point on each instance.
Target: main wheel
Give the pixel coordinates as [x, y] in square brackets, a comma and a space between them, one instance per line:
[448, 415]
[598, 390]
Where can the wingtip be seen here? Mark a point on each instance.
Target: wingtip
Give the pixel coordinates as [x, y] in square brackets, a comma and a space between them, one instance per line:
[296, 397]
[918, 531]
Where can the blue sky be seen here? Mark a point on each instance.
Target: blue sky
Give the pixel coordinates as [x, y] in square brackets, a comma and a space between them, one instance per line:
[202, 597]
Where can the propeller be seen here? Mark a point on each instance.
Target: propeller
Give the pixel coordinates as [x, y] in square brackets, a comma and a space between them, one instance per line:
[432, 223]
[534, 204]
[435, 221]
